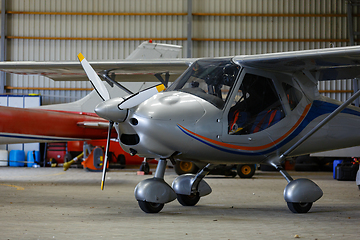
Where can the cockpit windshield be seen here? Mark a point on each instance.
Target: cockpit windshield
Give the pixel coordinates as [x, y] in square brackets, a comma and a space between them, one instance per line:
[209, 79]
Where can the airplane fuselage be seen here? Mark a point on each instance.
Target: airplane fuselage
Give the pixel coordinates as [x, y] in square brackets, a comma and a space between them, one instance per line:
[188, 126]
[19, 125]
[246, 109]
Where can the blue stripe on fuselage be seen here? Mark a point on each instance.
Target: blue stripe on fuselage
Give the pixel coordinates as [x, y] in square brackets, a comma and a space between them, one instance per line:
[317, 109]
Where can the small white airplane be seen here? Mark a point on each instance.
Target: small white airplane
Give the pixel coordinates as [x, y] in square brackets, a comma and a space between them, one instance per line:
[233, 110]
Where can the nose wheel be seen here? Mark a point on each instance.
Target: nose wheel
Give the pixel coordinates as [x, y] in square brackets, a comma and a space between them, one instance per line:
[150, 207]
[299, 207]
[153, 193]
[188, 200]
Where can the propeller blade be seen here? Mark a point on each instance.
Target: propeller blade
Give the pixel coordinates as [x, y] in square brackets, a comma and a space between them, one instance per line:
[94, 78]
[106, 155]
[140, 97]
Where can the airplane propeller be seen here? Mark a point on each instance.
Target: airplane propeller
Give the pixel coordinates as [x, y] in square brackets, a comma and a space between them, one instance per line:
[94, 78]
[114, 110]
[104, 94]
[139, 97]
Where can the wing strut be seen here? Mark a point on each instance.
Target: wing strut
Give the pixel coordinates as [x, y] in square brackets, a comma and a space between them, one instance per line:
[320, 125]
[301, 193]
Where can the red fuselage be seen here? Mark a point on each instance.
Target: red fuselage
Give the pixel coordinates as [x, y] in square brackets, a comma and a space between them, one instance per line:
[38, 125]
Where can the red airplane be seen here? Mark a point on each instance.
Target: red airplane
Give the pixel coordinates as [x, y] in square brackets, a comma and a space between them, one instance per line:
[21, 125]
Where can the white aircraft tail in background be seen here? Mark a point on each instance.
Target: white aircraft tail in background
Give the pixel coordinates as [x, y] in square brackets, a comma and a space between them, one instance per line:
[77, 119]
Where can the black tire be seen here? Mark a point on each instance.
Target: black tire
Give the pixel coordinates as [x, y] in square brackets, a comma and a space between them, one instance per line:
[299, 207]
[145, 167]
[246, 170]
[182, 167]
[150, 207]
[121, 160]
[188, 200]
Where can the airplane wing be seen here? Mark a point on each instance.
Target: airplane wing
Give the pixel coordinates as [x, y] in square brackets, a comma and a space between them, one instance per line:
[141, 65]
[323, 64]
[124, 70]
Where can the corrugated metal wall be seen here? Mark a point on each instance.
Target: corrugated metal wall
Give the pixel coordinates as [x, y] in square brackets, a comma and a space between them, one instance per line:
[219, 28]
[84, 28]
[268, 32]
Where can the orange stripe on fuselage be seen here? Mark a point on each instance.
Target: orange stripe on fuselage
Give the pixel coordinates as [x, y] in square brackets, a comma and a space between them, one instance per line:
[307, 108]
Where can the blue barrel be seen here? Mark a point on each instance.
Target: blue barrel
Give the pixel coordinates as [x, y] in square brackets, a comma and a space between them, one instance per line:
[33, 157]
[17, 158]
[335, 163]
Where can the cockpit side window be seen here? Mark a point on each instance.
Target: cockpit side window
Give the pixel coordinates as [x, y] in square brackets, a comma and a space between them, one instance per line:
[256, 106]
[293, 95]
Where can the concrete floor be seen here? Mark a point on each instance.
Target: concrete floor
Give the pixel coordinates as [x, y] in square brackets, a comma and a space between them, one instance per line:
[48, 203]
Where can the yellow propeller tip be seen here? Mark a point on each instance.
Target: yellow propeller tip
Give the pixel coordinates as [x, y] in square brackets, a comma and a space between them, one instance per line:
[80, 57]
[160, 87]
[102, 185]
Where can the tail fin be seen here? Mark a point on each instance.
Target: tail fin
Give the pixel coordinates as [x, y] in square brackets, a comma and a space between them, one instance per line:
[146, 50]
[149, 50]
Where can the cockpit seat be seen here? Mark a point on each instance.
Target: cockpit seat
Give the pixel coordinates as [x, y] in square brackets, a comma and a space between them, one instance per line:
[266, 119]
[237, 121]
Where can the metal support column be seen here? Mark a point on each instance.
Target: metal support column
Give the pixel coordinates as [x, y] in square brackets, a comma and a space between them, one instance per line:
[189, 29]
[353, 34]
[356, 88]
[3, 44]
[350, 23]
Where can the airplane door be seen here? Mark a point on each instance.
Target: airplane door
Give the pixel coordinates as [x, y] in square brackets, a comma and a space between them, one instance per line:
[254, 106]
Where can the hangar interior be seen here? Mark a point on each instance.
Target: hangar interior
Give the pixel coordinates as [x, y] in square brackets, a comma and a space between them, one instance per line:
[58, 30]
[40, 30]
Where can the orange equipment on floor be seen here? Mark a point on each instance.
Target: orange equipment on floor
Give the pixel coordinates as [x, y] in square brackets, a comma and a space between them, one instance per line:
[94, 156]
[94, 161]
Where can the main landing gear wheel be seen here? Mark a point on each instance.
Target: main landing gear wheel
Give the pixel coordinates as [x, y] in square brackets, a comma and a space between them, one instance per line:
[150, 207]
[182, 167]
[299, 207]
[188, 200]
[246, 170]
